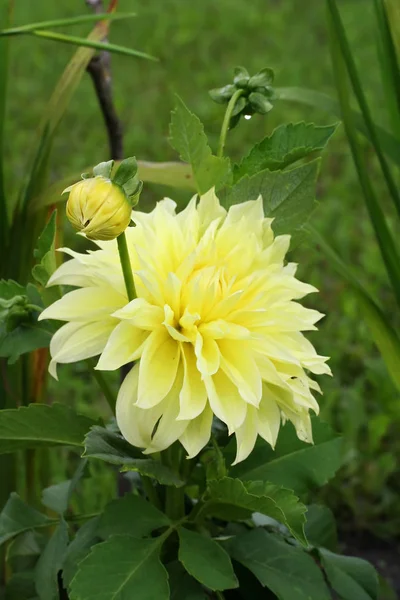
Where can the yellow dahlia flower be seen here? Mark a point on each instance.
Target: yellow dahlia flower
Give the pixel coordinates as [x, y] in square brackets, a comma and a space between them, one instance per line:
[98, 208]
[215, 328]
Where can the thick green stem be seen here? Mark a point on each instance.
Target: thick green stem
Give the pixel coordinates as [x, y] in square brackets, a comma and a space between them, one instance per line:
[126, 266]
[225, 123]
[151, 491]
[174, 502]
[174, 497]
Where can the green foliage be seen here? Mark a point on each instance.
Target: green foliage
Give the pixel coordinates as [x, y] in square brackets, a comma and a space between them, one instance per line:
[188, 138]
[131, 515]
[111, 447]
[287, 570]
[288, 196]
[57, 497]
[256, 496]
[350, 577]
[320, 527]
[45, 252]
[121, 567]
[39, 425]
[20, 331]
[287, 144]
[80, 546]
[206, 560]
[17, 517]
[182, 586]
[50, 563]
[293, 464]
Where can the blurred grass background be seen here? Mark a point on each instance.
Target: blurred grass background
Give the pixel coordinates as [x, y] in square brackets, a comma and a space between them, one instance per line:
[198, 45]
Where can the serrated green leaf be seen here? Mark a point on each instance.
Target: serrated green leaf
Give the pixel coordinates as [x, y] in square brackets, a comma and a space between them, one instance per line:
[10, 288]
[122, 567]
[321, 527]
[321, 101]
[111, 447]
[50, 563]
[131, 515]
[182, 585]
[286, 145]
[206, 560]
[80, 546]
[188, 138]
[286, 570]
[256, 496]
[288, 196]
[293, 464]
[350, 577]
[39, 425]
[17, 517]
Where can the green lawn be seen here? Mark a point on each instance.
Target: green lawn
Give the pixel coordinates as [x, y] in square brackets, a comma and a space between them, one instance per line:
[198, 45]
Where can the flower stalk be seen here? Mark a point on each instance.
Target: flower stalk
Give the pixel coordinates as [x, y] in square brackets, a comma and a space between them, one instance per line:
[126, 266]
[226, 121]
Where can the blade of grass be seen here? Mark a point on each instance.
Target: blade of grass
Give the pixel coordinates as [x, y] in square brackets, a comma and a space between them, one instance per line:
[389, 142]
[78, 41]
[392, 8]
[385, 337]
[384, 237]
[65, 22]
[6, 14]
[340, 34]
[390, 70]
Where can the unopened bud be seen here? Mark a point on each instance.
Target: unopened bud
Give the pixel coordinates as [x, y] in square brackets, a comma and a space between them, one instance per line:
[98, 208]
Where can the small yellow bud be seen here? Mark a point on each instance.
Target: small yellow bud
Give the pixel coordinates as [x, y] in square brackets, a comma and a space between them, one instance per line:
[98, 208]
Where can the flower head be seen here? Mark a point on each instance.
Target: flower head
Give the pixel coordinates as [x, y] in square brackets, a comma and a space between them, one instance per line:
[98, 208]
[215, 328]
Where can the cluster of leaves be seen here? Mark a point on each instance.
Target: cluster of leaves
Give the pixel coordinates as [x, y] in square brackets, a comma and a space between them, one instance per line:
[244, 531]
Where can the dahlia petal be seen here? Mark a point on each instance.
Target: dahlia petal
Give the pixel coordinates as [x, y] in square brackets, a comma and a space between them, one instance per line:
[158, 368]
[124, 345]
[221, 329]
[246, 435]
[197, 433]
[225, 400]
[71, 272]
[85, 304]
[209, 209]
[239, 365]
[78, 341]
[268, 418]
[276, 252]
[141, 314]
[208, 355]
[193, 395]
[136, 424]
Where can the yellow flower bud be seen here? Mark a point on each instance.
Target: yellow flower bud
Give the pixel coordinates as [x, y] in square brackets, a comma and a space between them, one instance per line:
[98, 208]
